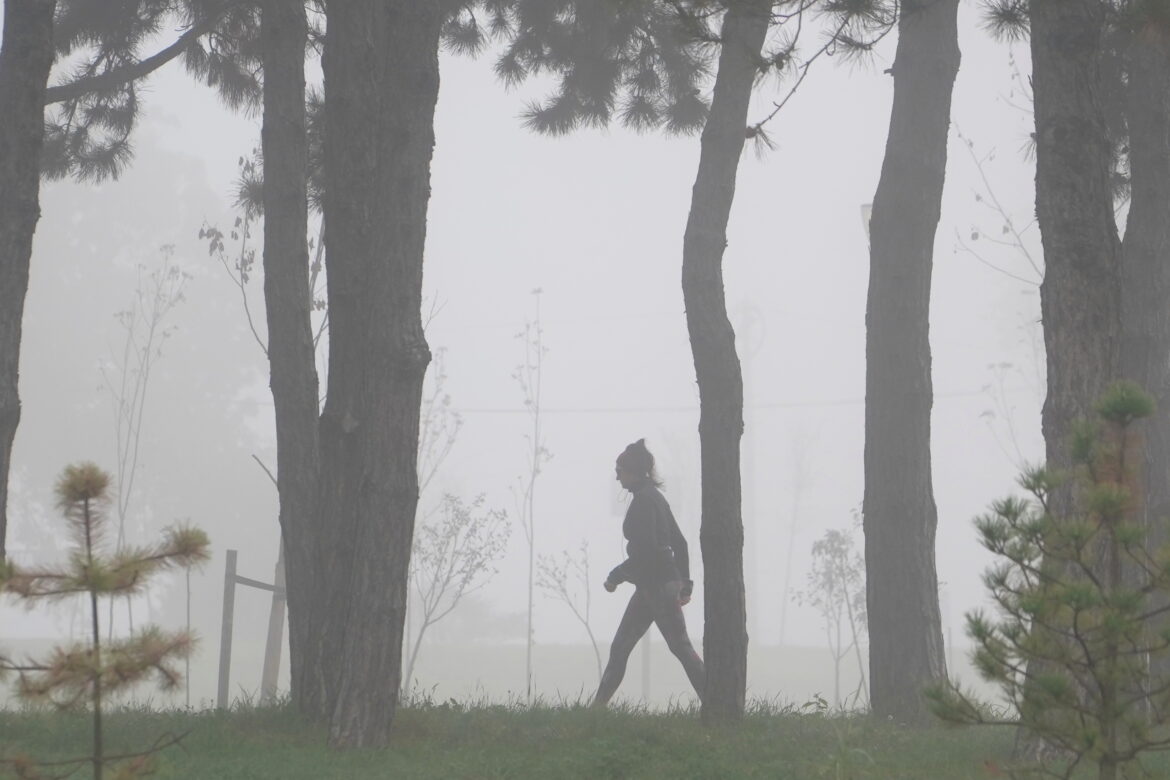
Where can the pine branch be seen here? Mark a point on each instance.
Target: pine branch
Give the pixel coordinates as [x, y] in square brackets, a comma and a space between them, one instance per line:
[113, 79]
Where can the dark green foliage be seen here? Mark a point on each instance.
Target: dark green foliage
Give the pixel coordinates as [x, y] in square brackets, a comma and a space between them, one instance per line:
[228, 57]
[1007, 19]
[1125, 21]
[642, 61]
[1070, 646]
[647, 63]
[250, 183]
[1010, 19]
[81, 675]
[1125, 403]
[93, 110]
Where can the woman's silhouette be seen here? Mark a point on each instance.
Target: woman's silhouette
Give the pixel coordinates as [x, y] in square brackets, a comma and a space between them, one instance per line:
[659, 567]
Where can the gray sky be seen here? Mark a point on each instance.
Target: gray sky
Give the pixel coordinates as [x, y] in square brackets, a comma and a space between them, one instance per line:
[596, 222]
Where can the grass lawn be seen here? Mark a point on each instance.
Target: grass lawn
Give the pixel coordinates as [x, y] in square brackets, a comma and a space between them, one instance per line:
[485, 741]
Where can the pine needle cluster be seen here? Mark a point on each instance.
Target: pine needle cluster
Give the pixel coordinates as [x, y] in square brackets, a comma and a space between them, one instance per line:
[648, 64]
[642, 62]
[1127, 26]
[83, 674]
[93, 108]
[1081, 602]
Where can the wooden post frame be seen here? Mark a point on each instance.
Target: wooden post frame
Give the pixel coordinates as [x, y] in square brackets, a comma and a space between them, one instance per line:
[275, 627]
[225, 631]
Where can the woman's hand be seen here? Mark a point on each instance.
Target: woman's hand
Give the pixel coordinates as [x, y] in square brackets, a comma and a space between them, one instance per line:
[610, 586]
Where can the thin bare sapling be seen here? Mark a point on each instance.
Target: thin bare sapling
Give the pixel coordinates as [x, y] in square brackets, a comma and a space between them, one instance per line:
[836, 588]
[127, 380]
[456, 544]
[529, 375]
[236, 252]
[451, 557]
[567, 579]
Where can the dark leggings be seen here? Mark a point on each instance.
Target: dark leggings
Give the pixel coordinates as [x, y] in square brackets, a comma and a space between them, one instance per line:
[651, 604]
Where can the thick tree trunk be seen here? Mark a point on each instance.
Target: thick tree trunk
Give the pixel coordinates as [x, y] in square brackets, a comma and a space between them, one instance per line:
[716, 364]
[1080, 297]
[381, 84]
[1081, 294]
[292, 367]
[1145, 278]
[26, 55]
[906, 647]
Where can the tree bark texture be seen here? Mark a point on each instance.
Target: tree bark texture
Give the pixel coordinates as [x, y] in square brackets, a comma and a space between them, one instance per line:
[1145, 274]
[906, 647]
[381, 85]
[1080, 297]
[26, 55]
[717, 368]
[287, 298]
[1081, 294]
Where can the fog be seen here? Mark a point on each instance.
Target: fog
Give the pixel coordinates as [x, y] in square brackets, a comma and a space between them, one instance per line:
[594, 222]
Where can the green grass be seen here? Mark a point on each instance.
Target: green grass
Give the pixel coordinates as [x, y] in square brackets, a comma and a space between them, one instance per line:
[507, 741]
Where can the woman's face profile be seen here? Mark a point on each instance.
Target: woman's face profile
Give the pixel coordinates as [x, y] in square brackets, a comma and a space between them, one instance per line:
[626, 477]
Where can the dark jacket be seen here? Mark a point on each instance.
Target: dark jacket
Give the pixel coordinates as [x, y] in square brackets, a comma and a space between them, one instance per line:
[657, 550]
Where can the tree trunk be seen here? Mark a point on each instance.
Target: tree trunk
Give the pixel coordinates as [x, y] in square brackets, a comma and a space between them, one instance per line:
[1080, 297]
[26, 55]
[381, 85]
[287, 298]
[717, 369]
[1145, 276]
[906, 646]
[1081, 294]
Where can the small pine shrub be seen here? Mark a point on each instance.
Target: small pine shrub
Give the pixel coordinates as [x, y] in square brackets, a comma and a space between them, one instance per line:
[1079, 597]
[84, 674]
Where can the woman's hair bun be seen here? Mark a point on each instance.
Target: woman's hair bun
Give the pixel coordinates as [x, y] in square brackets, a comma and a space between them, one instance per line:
[637, 458]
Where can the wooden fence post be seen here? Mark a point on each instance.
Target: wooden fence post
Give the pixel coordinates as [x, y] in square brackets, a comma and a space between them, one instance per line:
[275, 641]
[225, 632]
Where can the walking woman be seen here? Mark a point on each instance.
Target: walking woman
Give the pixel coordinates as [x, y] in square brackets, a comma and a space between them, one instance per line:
[659, 568]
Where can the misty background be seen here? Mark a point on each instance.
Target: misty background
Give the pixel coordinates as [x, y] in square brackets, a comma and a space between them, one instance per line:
[594, 221]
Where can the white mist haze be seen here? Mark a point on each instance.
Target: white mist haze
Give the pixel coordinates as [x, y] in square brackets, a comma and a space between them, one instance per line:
[595, 221]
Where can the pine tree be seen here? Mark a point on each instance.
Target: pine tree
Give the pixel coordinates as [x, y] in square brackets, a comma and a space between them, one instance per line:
[88, 674]
[1145, 273]
[26, 54]
[82, 127]
[1077, 590]
[900, 516]
[1105, 104]
[381, 67]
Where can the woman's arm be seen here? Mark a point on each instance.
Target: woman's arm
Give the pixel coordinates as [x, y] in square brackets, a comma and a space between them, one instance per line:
[638, 528]
[682, 556]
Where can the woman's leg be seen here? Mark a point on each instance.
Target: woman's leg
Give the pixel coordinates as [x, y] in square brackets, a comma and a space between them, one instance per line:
[668, 615]
[638, 617]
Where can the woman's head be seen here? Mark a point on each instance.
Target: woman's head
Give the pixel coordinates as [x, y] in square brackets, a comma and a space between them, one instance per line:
[636, 465]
